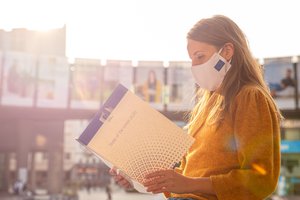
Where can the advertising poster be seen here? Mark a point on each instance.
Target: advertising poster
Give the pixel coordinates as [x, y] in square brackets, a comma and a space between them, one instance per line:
[126, 74]
[181, 86]
[116, 72]
[53, 82]
[86, 84]
[150, 83]
[279, 75]
[19, 71]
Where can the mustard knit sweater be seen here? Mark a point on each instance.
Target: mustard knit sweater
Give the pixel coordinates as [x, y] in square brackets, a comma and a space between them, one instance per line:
[242, 156]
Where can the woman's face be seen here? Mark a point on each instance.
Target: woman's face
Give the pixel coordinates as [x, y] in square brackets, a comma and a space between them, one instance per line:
[200, 52]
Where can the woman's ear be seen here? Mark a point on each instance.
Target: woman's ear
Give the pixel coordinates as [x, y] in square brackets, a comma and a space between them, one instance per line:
[228, 51]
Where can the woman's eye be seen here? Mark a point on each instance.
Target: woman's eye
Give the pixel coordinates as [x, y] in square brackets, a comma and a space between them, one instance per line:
[199, 57]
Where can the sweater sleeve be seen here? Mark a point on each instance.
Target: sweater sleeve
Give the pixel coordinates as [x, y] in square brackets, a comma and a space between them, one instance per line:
[257, 138]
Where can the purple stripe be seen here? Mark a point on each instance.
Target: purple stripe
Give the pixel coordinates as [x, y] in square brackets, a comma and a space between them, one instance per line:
[95, 123]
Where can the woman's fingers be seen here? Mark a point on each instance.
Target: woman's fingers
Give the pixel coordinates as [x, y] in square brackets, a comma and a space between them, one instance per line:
[156, 181]
[156, 186]
[158, 177]
[155, 174]
[122, 182]
[112, 171]
[119, 179]
[128, 186]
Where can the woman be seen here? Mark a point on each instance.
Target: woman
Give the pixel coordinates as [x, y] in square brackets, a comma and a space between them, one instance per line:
[236, 155]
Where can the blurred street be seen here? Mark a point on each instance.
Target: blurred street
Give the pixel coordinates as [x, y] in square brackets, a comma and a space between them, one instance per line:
[117, 195]
[99, 194]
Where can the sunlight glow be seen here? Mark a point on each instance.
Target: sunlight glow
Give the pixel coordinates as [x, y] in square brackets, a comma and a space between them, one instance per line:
[152, 30]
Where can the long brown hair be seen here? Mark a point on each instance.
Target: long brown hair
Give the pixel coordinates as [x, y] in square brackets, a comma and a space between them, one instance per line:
[245, 70]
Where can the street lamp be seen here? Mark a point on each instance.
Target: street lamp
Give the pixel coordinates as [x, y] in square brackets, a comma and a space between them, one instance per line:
[166, 89]
[134, 64]
[295, 63]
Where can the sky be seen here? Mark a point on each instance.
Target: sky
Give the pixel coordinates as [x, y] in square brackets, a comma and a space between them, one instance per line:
[156, 29]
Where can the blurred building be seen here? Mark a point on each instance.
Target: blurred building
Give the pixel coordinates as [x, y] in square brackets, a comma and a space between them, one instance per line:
[31, 148]
[46, 102]
[51, 42]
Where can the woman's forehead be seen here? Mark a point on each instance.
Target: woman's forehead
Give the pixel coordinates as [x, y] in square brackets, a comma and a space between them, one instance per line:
[197, 44]
[194, 46]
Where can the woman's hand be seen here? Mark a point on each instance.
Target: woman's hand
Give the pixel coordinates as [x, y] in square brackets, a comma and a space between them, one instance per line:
[167, 181]
[120, 180]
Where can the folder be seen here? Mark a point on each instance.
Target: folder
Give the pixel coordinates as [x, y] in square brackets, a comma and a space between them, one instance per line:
[130, 135]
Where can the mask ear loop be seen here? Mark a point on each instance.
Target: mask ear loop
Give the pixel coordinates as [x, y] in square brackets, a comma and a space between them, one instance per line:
[229, 62]
[220, 50]
[226, 66]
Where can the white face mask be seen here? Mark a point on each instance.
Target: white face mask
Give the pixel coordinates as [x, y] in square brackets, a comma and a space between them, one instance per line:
[210, 74]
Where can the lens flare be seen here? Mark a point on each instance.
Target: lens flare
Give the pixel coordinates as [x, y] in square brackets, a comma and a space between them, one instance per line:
[259, 169]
